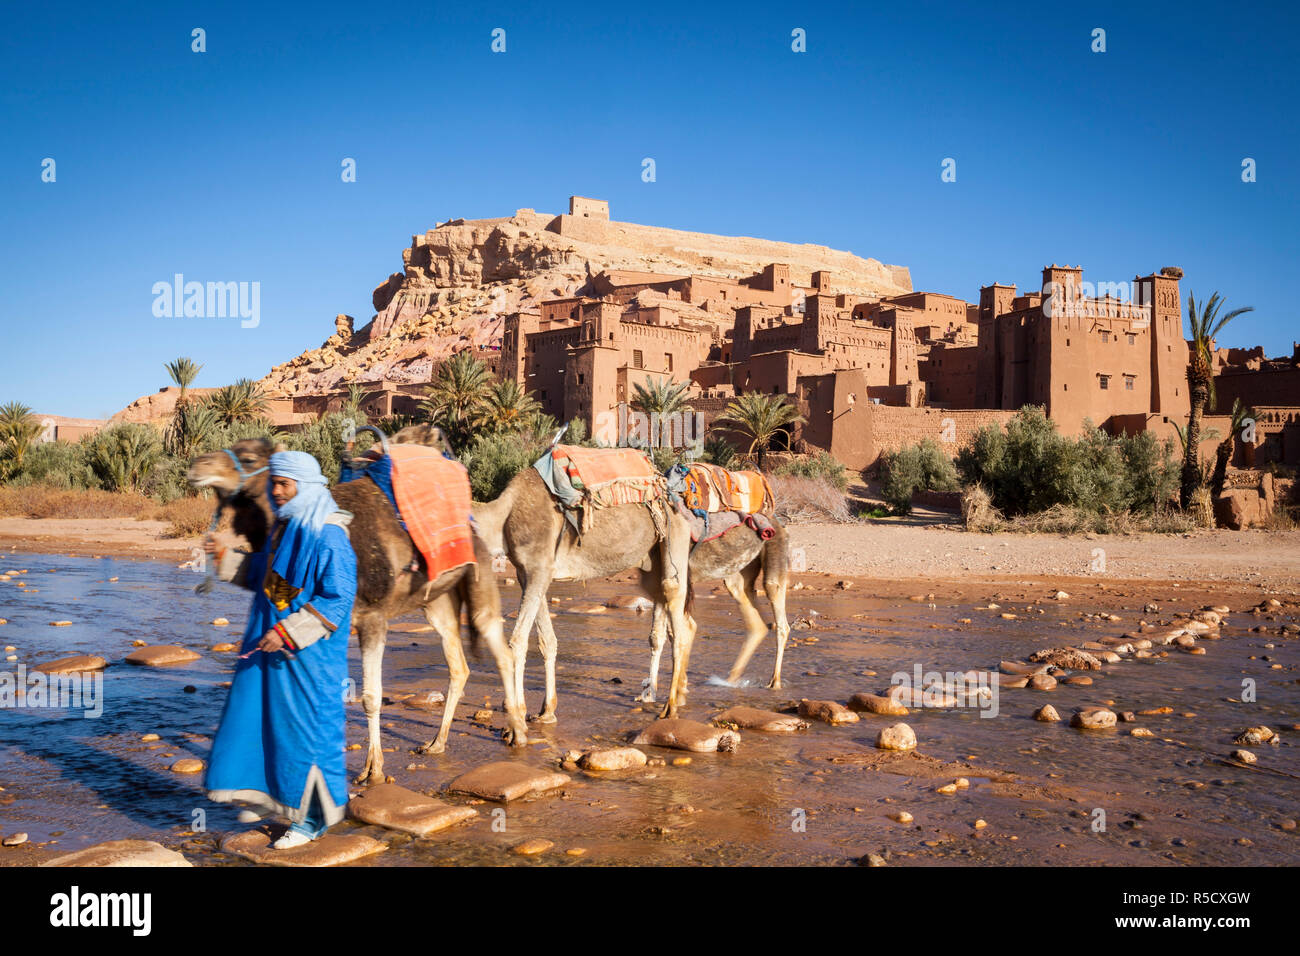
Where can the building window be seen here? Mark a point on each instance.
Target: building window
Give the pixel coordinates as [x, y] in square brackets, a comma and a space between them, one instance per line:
[1105, 382]
[1105, 337]
[638, 360]
[1132, 339]
[1128, 383]
[668, 362]
[581, 378]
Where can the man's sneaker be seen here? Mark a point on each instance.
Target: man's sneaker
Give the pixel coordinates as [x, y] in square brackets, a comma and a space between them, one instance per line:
[291, 839]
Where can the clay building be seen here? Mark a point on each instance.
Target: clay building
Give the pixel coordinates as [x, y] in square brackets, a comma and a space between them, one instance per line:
[1120, 364]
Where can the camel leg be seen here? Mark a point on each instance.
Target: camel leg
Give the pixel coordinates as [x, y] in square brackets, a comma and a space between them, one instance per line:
[546, 641]
[372, 632]
[658, 638]
[531, 604]
[775, 583]
[485, 618]
[444, 614]
[675, 551]
[741, 587]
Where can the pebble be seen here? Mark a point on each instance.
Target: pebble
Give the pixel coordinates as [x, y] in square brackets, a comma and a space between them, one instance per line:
[18, 839]
[150, 738]
[219, 622]
[827, 711]
[1047, 713]
[532, 847]
[1254, 736]
[224, 648]
[1042, 682]
[902, 816]
[1244, 756]
[60, 623]
[896, 737]
[1093, 718]
[980, 824]
[187, 765]
[947, 788]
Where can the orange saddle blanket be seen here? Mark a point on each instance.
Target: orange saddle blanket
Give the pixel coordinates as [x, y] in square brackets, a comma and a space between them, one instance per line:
[433, 497]
[712, 489]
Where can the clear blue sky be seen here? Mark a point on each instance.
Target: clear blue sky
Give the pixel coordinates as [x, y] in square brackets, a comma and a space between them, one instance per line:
[225, 165]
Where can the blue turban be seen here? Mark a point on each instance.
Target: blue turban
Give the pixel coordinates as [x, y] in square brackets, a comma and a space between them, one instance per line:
[305, 514]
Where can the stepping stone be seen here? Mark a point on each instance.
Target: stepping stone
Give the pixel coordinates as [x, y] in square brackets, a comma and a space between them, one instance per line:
[688, 735]
[161, 655]
[1018, 668]
[396, 808]
[585, 609]
[827, 711]
[506, 780]
[122, 853]
[328, 850]
[1093, 718]
[72, 665]
[617, 758]
[875, 704]
[766, 721]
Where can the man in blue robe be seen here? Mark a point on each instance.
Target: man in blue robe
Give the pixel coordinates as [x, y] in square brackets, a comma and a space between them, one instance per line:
[281, 740]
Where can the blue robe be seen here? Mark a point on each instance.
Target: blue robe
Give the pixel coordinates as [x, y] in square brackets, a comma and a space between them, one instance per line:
[281, 740]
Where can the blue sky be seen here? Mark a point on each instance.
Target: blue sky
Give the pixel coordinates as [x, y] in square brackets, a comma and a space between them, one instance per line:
[225, 165]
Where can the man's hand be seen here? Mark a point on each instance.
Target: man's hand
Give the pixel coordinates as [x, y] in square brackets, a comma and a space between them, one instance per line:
[210, 543]
[270, 642]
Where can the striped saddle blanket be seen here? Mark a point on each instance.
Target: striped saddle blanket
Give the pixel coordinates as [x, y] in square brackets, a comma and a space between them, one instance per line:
[710, 489]
[584, 479]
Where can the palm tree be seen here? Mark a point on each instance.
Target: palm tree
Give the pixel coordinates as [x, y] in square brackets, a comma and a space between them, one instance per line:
[661, 398]
[192, 426]
[183, 371]
[457, 396]
[1205, 324]
[507, 408]
[1223, 454]
[761, 417]
[240, 402]
[18, 429]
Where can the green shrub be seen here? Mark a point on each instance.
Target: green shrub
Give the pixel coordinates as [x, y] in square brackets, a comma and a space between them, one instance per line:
[57, 464]
[493, 460]
[920, 467]
[125, 456]
[821, 465]
[1031, 468]
[718, 451]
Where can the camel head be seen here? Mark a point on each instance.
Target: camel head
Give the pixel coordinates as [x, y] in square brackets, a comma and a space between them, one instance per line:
[217, 469]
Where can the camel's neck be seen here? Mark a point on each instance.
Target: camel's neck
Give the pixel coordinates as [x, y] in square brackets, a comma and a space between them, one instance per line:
[490, 519]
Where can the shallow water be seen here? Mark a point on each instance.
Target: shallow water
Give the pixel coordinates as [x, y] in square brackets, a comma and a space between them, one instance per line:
[821, 796]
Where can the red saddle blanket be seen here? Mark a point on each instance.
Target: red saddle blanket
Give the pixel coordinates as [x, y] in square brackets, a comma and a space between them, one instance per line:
[433, 497]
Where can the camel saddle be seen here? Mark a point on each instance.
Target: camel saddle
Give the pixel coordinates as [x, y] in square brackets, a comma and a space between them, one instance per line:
[585, 479]
[431, 495]
[709, 489]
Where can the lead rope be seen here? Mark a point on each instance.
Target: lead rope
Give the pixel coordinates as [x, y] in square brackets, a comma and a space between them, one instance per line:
[210, 577]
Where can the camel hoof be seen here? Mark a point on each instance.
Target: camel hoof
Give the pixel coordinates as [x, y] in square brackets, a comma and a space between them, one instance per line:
[512, 739]
[432, 747]
[774, 685]
[545, 718]
[369, 778]
[645, 697]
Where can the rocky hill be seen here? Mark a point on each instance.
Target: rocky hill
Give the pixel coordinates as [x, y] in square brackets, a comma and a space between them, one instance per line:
[462, 278]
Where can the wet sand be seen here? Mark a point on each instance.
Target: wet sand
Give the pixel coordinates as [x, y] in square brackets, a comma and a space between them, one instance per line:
[821, 796]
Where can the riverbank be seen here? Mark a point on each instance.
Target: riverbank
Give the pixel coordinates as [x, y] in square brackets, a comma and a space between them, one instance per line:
[914, 549]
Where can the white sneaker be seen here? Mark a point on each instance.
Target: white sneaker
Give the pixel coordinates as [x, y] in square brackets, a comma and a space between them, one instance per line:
[290, 840]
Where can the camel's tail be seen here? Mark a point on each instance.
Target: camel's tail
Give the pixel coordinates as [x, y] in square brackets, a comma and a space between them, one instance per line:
[490, 519]
[776, 559]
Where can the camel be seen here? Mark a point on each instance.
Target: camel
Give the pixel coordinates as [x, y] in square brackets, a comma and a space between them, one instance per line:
[527, 524]
[387, 586]
[737, 556]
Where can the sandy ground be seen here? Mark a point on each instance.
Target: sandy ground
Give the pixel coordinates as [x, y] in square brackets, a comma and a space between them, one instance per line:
[918, 549]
